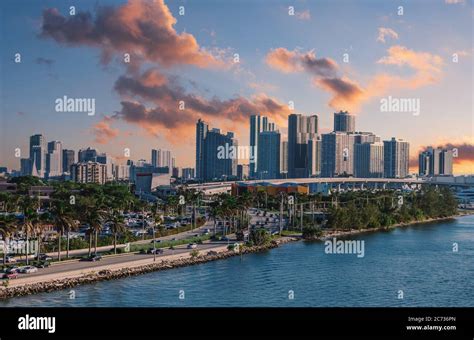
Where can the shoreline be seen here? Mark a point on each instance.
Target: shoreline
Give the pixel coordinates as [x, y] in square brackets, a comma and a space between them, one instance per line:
[343, 233]
[123, 270]
[128, 270]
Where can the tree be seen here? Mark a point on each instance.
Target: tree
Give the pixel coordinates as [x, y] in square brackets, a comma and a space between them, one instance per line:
[311, 232]
[259, 237]
[8, 224]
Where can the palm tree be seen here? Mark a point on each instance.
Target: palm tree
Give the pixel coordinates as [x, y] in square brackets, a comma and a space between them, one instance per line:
[28, 206]
[117, 224]
[62, 217]
[8, 225]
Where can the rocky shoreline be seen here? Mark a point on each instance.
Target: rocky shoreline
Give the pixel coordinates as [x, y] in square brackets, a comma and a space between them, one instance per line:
[106, 275]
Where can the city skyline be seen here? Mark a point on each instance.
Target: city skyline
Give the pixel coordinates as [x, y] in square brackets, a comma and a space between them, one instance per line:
[199, 69]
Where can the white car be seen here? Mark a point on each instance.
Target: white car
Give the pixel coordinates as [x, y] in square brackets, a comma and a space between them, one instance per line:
[192, 246]
[28, 270]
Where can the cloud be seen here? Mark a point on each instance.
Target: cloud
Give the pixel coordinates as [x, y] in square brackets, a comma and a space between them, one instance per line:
[454, 2]
[348, 94]
[294, 61]
[305, 15]
[166, 95]
[103, 131]
[144, 29]
[386, 32]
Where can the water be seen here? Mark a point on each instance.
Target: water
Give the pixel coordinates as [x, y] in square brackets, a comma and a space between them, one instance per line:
[419, 260]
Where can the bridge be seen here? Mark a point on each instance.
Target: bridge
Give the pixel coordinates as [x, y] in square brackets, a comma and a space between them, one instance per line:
[343, 183]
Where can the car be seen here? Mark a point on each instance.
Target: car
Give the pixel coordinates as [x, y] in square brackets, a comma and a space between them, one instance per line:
[207, 231]
[192, 246]
[9, 259]
[224, 238]
[43, 257]
[156, 241]
[92, 258]
[42, 264]
[173, 239]
[155, 251]
[10, 276]
[28, 270]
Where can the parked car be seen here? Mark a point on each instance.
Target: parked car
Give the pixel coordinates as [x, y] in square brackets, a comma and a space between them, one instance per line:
[224, 238]
[8, 259]
[155, 251]
[192, 246]
[10, 276]
[92, 258]
[42, 264]
[43, 257]
[28, 270]
[156, 241]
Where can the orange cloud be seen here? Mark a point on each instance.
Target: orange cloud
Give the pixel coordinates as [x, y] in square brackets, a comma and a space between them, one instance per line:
[103, 131]
[144, 29]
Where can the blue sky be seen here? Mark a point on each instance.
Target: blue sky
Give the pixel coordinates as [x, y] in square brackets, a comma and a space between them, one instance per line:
[252, 29]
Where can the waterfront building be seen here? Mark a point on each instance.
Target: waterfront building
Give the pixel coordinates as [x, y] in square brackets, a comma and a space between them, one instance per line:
[269, 155]
[344, 122]
[201, 133]
[54, 159]
[435, 162]
[301, 129]
[89, 172]
[314, 157]
[258, 124]
[337, 154]
[38, 155]
[68, 160]
[396, 158]
[284, 158]
[369, 160]
[217, 166]
[188, 173]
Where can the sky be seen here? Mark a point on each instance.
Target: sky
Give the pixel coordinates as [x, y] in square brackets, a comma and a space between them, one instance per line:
[226, 60]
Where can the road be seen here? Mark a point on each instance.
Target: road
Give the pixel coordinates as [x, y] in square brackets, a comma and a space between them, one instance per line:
[114, 261]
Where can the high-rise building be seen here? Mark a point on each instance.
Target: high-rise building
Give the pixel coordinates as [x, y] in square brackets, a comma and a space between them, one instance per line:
[369, 160]
[188, 173]
[161, 159]
[269, 155]
[201, 133]
[87, 155]
[284, 158]
[121, 172]
[217, 166]
[396, 158]
[314, 157]
[25, 167]
[38, 155]
[89, 172]
[337, 154]
[243, 171]
[258, 124]
[301, 129]
[344, 122]
[54, 159]
[68, 160]
[434, 162]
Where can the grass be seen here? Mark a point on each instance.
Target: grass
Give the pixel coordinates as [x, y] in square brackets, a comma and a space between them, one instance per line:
[167, 244]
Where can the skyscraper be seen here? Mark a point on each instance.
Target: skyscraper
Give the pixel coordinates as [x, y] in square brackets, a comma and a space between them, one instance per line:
[269, 151]
[369, 160]
[396, 158]
[201, 133]
[54, 159]
[314, 157]
[258, 124]
[434, 162]
[217, 162]
[344, 122]
[68, 159]
[284, 158]
[87, 155]
[301, 129]
[38, 155]
[337, 155]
